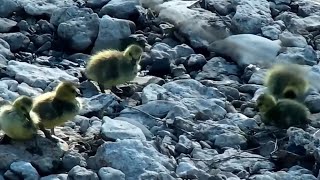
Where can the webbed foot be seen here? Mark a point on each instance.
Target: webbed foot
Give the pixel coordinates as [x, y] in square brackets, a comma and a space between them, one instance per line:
[5, 139]
[101, 87]
[116, 90]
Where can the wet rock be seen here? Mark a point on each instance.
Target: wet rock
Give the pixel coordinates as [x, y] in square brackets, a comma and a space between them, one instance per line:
[55, 177]
[221, 6]
[8, 7]
[96, 3]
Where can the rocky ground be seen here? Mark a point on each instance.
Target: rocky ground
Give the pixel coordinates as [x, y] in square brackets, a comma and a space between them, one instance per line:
[193, 116]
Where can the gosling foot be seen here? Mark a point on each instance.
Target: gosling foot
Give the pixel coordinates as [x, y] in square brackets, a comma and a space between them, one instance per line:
[101, 87]
[5, 139]
[116, 90]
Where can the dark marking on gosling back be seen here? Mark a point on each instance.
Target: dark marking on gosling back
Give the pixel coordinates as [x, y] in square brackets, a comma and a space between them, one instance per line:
[290, 95]
[62, 106]
[111, 72]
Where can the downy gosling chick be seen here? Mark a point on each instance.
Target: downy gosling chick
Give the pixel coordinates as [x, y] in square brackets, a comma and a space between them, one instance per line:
[55, 108]
[287, 81]
[15, 120]
[283, 113]
[111, 67]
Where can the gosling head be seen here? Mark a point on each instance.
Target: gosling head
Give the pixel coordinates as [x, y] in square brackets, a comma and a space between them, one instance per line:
[265, 102]
[67, 91]
[23, 103]
[133, 52]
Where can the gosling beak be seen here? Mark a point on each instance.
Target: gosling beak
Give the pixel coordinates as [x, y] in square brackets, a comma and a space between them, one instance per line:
[78, 93]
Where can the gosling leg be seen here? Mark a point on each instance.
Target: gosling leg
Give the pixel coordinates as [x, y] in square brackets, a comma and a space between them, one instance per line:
[5, 139]
[116, 90]
[36, 148]
[52, 131]
[101, 87]
[47, 134]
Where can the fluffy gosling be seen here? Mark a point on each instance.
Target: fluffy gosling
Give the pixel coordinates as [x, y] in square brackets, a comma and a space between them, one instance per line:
[55, 108]
[283, 113]
[15, 120]
[287, 81]
[111, 67]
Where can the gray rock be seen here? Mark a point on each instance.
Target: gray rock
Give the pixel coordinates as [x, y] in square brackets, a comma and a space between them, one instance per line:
[95, 127]
[199, 153]
[292, 40]
[7, 94]
[5, 50]
[111, 32]
[82, 173]
[258, 77]
[298, 56]
[44, 7]
[6, 25]
[121, 9]
[1, 177]
[271, 31]
[230, 134]
[11, 175]
[117, 129]
[132, 157]
[61, 15]
[243, 122]
[251, 16]
[55, 177]
[246, 49]
[25, 89]
[296, 24]
[25, 170]
[295, 172]
[80, 32]
[205, 108]
[16, 40]
[195, 62]
[45, 165]
[307, 8]
[96, 3]
[223, 7]
[37, 76]
[184, 145]
[72, 159]
[96, 103]
[242, 163]
[106, 173]
[8, 7]
[178, 71]
[158, 109]
[189, 18]
[249, 88]
[218, 68]
[187, 168]
[179, 89]
[230, 140]
[179, 111]
[143, 128]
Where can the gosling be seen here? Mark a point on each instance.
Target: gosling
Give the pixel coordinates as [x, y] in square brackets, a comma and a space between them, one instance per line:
[287, 81]
[111, 67]
[283, 113]
[55, 108]
[15, 120]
